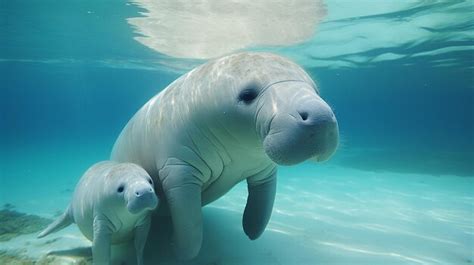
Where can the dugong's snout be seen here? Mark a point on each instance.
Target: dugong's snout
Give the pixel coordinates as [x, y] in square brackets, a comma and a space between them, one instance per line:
[140, 198]
[320, 128]
[306, 128]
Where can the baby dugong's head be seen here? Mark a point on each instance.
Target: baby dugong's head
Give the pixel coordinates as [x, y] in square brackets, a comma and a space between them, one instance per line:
[132, 185]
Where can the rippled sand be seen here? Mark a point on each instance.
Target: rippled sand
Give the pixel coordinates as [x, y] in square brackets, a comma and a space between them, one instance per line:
[323, 214]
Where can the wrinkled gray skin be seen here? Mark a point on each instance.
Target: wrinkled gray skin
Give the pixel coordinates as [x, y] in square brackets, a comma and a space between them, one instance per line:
[205, 133]
[107, 214]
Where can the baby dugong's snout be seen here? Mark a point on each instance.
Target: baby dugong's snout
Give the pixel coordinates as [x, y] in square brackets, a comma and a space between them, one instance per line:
[319, 128]
[142, 197]
[143, 192]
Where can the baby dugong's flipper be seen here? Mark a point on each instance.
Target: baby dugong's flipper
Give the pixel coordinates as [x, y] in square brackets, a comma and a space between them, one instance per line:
[63, 221]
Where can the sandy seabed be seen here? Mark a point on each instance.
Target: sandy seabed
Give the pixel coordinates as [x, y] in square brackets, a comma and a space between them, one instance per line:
[323, 214]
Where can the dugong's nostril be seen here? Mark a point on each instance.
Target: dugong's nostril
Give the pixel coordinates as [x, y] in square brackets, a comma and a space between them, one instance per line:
[303, 115]
[315, 113]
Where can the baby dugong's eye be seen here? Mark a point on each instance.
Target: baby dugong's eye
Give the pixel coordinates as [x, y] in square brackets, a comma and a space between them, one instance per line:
[150, 181]
[248, 95]
[121, 188]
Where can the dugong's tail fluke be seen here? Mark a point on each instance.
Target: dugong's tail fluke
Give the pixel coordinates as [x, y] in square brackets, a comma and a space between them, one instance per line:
[60, 223]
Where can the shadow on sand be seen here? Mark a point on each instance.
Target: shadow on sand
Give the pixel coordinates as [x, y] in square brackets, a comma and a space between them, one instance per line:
[224, 243]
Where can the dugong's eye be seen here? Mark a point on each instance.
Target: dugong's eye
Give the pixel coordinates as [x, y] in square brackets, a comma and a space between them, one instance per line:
[248, 95]
[149, 181]
[120, 189]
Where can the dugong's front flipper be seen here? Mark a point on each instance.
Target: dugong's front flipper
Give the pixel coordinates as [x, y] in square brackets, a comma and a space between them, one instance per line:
[261, 189]
[141, 234]
[101, 241]
[182, 189]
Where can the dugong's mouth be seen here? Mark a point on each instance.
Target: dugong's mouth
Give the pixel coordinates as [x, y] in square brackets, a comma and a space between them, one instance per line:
[295, 145]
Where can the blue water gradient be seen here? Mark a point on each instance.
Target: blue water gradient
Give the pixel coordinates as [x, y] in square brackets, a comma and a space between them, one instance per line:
[71, 76]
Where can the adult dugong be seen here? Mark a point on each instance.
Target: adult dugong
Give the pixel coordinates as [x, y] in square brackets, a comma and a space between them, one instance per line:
[231, 119]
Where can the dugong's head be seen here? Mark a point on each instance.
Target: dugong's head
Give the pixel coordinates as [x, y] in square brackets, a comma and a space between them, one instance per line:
[131, 187]
[276, 107]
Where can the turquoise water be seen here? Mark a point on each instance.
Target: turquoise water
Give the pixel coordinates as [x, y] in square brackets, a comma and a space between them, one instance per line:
[398, 74]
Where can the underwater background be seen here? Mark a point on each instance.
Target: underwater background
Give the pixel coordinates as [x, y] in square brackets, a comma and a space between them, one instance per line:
[398, 74]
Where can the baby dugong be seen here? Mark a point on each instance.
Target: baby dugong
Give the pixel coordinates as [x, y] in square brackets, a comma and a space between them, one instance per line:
[111, 204]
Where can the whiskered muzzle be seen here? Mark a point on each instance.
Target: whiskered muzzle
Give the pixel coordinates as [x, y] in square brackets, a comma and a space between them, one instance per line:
[309, 132]
[142, 199]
